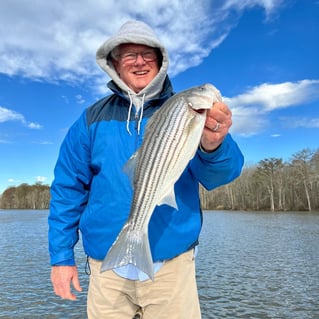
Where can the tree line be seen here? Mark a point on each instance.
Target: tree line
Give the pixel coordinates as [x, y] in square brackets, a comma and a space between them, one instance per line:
[26, 196]
[270, 185]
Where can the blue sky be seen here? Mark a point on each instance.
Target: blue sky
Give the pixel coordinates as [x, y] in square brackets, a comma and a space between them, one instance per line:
[263, 55]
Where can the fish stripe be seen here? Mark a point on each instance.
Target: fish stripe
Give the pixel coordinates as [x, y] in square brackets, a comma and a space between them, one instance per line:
[151, 163]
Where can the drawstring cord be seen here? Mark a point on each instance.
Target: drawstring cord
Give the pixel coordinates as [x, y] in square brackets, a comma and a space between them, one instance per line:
[138, 314]
[129, 114]
[141, 115]
[87, 266]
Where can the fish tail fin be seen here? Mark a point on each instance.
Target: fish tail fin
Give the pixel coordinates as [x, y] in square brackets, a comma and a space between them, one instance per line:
[131, 247]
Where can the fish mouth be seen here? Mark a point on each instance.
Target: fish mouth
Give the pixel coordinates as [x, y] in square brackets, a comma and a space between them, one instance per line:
[200, 111]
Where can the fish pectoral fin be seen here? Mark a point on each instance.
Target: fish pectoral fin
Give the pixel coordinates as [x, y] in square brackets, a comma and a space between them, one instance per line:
[169, 199]
[129, 167]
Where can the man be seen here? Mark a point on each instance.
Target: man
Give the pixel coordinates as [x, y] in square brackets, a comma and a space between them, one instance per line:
[90, 192]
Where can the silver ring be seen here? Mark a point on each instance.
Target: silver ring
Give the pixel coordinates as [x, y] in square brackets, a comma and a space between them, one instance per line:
[216, 127]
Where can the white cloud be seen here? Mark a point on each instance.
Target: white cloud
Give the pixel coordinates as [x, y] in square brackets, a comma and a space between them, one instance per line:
[14, 181]
[251, 109]
[34, 126]
[270, 6]
[57, 40]
[274, 96]
[44, 143]
[10, 115]
[247, 121]
[40, 179]
[301, 122]
[79, 99]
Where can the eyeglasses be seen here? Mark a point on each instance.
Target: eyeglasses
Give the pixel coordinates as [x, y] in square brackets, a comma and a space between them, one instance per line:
[131, 57]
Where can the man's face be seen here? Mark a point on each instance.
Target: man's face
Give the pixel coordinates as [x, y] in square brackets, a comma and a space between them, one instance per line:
[137, 65]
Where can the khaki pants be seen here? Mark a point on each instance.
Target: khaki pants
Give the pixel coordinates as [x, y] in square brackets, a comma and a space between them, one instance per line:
[172, 294]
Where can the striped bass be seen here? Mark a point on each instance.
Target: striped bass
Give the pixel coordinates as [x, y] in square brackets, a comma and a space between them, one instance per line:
[172, 136]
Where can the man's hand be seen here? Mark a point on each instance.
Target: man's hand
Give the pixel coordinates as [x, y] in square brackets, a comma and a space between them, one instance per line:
[218, 122]
[61, 278]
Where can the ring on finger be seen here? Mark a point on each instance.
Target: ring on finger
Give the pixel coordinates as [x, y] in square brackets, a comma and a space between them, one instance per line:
[216, 127]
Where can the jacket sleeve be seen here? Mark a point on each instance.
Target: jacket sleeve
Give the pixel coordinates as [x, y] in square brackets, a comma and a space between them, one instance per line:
[219, 167]
[69, 193]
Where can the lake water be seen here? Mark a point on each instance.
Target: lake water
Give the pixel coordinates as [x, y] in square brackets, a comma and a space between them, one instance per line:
[249, 265]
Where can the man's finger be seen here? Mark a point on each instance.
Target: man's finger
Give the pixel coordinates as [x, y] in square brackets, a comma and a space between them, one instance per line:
[76, 283]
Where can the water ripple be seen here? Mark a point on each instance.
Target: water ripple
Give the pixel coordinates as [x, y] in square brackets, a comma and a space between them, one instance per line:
[252, 266]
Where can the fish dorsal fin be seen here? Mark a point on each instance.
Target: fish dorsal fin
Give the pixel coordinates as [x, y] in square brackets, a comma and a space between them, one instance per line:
[129, 167]
[169, 199]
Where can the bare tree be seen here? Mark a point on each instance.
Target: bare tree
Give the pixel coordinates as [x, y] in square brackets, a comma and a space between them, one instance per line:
[268, 171]
[301, 166]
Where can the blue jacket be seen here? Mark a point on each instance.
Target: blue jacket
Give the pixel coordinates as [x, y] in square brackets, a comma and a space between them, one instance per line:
[91, 193]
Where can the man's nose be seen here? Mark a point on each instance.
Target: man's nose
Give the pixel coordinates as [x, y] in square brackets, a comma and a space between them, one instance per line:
[139, 59]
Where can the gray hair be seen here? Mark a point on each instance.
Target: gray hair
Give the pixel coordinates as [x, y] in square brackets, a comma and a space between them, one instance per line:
[115, 53]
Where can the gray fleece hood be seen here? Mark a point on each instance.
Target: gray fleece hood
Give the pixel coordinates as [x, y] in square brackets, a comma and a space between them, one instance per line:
[139, 33]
